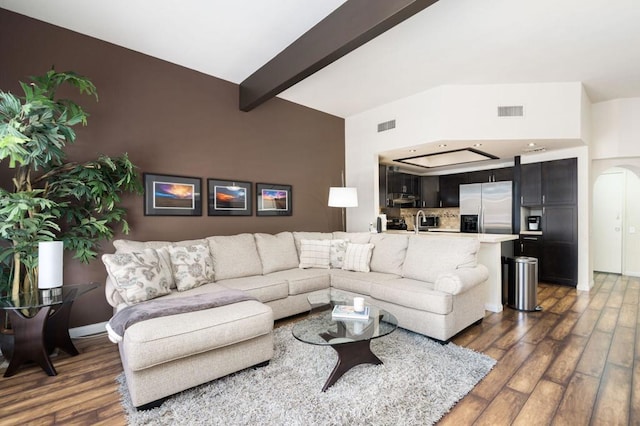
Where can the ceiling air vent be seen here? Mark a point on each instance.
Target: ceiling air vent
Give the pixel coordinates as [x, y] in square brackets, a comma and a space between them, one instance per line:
[511, 111]
[387, 125]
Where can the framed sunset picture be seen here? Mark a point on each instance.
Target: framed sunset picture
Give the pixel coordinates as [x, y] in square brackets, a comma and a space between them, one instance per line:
[166, 195]
[229, 198]
[273, 200]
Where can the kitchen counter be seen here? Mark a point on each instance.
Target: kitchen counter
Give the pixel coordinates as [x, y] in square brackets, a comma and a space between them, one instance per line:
[484, 238]
[490, 255]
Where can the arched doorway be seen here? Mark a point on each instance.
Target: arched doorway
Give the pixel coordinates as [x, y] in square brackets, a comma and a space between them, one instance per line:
[616, 220]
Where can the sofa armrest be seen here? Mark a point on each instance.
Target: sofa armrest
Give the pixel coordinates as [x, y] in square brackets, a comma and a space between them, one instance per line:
[461, 280]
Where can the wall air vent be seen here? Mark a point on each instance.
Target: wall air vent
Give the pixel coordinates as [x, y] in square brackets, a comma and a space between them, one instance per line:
[387, 125]
[511, 111]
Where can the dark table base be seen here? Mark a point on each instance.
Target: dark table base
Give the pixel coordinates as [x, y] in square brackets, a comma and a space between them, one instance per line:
[36, 337]
[350, 354]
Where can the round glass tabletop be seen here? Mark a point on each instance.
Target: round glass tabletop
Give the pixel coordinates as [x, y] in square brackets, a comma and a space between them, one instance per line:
[48, 297]
[323, 329]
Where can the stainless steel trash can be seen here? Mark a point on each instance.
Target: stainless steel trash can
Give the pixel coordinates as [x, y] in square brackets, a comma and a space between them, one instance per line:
[525, 296]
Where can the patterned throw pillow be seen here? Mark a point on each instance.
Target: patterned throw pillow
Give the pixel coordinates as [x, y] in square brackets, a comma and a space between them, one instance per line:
[338, 249]
[357, 257]
[315, 254]
[192, 266]
[139, 276]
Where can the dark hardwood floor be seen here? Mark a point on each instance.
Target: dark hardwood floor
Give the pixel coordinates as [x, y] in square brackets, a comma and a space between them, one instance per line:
[576, 363]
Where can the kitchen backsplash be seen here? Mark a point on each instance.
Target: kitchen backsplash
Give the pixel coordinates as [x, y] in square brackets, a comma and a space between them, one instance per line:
[449, 217]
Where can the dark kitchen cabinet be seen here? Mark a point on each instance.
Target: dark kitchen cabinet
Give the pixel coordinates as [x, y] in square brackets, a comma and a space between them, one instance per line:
[492, 175]
[559, 182]
[429, 191]
[531, 245]
[450, 189]
[549, 183]
[383, 198]
[531, 184]
[559, 264]
[403, 183]
[552, 187]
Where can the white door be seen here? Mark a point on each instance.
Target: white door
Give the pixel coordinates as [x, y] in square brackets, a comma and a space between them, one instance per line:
[608, 204]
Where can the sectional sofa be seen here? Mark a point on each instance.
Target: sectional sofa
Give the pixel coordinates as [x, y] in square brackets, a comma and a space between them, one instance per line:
[224, 292]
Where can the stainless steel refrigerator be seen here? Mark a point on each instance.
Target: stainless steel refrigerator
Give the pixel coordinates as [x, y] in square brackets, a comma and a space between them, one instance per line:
[491, 202]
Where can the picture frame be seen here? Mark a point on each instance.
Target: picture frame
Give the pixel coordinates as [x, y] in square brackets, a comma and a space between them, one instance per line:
[229, 198]
[273, 199]
[170, 195]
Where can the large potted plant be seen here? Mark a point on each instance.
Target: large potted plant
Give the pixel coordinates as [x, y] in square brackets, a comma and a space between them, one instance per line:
[51, 198]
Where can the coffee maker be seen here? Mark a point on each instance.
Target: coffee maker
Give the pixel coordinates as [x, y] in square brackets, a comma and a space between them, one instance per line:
[533, 223]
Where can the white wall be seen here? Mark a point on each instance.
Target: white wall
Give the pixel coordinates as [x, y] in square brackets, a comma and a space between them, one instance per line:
[616, 143]
[553, 111]
[616, 129]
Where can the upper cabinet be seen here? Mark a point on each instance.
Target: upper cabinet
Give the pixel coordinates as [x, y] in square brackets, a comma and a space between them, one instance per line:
[450, 189]
[559, 180]
[531, 184]
[429, 191]
[450, 184]
[549, 183]
[493, 175]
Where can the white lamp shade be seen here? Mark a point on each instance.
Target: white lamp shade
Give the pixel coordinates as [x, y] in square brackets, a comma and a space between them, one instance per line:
[343, 197]
[50, 254]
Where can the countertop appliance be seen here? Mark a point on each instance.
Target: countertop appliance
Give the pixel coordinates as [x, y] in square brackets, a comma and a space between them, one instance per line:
[428, 222]
[533, 223]
[469, 223]
[396, 223]
[491, 202]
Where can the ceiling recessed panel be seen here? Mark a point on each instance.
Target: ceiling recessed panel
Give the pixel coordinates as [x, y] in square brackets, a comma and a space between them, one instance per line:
[447, 158]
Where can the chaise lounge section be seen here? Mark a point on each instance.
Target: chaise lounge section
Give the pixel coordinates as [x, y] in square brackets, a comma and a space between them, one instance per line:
[433, 286]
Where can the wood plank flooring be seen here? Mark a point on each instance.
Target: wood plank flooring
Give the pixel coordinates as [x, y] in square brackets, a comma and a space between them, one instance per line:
[575, 363]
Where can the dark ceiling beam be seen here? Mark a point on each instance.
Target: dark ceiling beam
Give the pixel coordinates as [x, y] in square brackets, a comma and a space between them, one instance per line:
[345, 29]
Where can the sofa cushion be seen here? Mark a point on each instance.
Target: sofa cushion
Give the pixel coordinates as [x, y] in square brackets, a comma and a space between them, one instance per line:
[389, 252]
[192, 265]
[234, 256]
[338, 250]
[315, 254]
[160, 340]
[139, 276]
[303, 281]
[299, 236]
[264, 288]
[413, 294]
[354, 237]
[357, 257]
[427, 257]
[277, 252]
[357, 282]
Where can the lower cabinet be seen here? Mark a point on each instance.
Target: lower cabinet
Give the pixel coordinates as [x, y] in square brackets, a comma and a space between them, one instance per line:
[557, 261]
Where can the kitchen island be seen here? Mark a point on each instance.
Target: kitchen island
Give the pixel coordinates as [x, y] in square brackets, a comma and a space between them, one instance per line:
[492, 248]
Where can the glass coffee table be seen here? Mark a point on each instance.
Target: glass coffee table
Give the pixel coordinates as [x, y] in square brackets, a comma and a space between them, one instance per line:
[350, 338]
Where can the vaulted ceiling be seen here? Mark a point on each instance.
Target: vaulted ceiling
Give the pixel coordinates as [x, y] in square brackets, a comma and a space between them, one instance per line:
[451, 42]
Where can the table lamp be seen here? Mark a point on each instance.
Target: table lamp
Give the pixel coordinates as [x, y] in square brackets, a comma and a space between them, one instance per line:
[50, 255]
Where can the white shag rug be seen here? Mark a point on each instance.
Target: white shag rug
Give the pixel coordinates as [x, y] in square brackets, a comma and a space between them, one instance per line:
[418, 383]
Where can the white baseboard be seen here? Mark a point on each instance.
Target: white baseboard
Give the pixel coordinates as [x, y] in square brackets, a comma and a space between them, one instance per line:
[87, 330]
[632, 274]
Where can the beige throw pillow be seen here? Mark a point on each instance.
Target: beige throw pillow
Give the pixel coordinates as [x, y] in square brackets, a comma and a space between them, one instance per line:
[338, 250]
[139, 276]
[192, 266]
[315, 254]
[357, 257]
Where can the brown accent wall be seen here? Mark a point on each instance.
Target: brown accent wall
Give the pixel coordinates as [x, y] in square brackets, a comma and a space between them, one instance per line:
[174, 120]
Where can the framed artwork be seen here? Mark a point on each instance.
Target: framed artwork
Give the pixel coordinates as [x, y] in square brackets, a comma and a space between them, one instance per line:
[229, 198]
[273, 199]
[166, 195]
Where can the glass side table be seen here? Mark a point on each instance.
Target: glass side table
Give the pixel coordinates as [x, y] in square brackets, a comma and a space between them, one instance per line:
[40, 323]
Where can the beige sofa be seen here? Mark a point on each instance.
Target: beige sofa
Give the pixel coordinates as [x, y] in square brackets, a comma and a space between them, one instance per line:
[433, 285]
